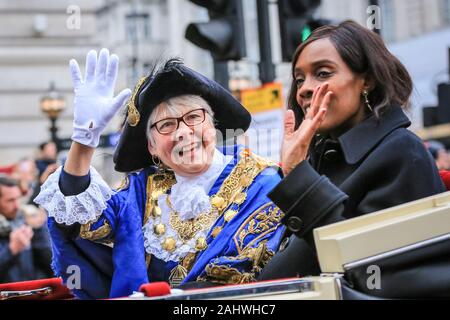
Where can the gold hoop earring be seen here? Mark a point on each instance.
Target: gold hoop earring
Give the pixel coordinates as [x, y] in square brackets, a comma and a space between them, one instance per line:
[156, 161]
[367, 102]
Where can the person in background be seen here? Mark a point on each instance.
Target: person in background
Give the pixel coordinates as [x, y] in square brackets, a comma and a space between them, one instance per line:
[439, 153]
[47, 156]
[25, 252]
[46, 164]
[25, 172]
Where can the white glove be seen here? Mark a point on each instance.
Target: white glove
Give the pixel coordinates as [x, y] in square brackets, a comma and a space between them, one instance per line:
[94, 103]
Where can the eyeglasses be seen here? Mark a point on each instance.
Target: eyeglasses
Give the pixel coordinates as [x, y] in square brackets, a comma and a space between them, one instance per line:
[170, 125]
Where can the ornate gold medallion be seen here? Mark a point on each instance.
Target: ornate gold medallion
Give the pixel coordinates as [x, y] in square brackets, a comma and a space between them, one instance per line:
[229, 215]
[169, 244]
[156, 211]
[218, 202]
[240, 198]
[160, 229]
[201, 244]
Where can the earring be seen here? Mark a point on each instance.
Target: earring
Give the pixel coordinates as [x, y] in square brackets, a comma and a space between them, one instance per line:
[367, 102]
[156, 161]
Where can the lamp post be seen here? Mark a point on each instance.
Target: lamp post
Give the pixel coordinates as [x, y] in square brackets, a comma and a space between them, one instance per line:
[52, 104]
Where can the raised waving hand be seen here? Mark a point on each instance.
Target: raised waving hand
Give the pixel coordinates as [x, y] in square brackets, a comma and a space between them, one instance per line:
[95, 104]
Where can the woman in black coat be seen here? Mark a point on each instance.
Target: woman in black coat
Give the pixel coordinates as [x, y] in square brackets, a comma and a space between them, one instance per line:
[347, 151]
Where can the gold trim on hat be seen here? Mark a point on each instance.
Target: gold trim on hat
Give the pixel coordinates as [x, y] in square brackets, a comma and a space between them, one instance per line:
[133, 113]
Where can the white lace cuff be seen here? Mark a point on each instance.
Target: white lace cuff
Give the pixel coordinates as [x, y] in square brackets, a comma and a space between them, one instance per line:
[83, 208]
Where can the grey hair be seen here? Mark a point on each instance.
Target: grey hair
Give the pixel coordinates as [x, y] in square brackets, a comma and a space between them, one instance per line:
[171, 108]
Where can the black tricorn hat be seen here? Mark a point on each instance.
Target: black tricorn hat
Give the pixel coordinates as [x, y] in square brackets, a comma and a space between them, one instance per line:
[171, 80]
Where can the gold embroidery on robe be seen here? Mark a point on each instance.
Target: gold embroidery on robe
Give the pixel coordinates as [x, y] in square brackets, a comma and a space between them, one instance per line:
[97, 235]
[223, 274]
[261, 222]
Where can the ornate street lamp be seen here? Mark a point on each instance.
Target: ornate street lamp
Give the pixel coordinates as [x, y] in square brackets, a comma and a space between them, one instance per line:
[52, 104]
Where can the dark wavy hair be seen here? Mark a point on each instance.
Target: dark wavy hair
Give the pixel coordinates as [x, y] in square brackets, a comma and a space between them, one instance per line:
[365, 54]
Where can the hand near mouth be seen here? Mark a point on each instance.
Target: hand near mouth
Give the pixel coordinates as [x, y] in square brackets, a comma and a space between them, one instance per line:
[296, 142]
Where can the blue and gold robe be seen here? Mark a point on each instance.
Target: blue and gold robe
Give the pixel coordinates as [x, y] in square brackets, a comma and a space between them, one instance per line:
[110, 253]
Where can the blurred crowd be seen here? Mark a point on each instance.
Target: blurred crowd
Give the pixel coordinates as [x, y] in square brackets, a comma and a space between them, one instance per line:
[440, 154]
[25, 250]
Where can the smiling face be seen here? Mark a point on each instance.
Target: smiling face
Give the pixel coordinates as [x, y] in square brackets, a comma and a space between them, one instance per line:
[320, 63]
[189, 149]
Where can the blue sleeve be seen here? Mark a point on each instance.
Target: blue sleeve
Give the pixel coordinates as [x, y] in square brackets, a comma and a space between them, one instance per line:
[90, 249]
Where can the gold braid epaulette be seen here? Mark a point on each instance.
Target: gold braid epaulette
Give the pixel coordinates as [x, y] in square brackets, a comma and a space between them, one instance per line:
[95, 235]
